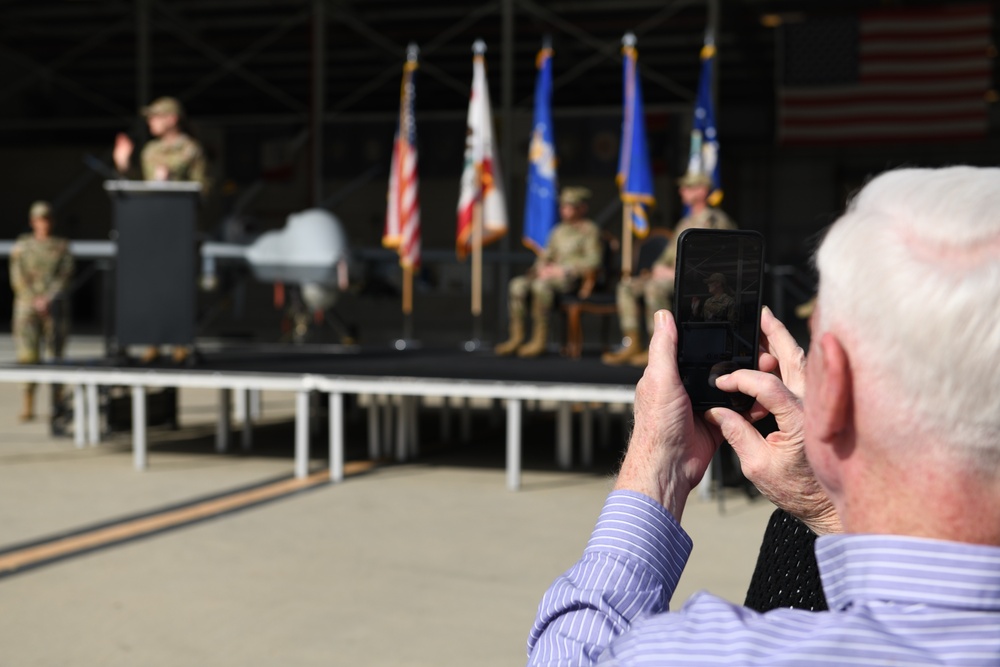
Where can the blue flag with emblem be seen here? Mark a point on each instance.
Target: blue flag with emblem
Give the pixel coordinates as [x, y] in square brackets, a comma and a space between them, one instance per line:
[541, 208]
[635, 177]
[704, 156]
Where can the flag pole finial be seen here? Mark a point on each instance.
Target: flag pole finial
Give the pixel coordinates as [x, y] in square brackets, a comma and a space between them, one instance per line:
[479, 47]
[546, 41]
[412, 52]
[629, 39]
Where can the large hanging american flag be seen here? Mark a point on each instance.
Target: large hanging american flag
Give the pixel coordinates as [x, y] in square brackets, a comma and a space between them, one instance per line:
[886, 75]
[402, 215]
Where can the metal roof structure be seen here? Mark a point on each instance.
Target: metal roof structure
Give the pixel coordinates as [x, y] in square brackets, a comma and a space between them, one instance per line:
[86, 63]
[72, 72]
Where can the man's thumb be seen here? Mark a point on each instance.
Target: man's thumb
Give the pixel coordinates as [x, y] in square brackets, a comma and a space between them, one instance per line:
[736, 430]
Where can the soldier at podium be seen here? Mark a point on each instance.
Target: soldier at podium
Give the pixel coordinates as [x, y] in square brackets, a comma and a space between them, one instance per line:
[172, 155]
[40, 269]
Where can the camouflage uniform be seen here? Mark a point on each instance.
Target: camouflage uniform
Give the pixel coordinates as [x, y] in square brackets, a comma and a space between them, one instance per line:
[719, 308]
[182, 157]
[575, 246]
[657, 293]
[40, 268]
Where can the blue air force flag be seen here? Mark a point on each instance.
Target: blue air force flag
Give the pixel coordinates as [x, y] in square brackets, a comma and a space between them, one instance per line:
[541, 208]
[635, 177]
[704, 156]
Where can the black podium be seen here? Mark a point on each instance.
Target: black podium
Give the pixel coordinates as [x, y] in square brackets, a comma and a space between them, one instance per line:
[155, 266]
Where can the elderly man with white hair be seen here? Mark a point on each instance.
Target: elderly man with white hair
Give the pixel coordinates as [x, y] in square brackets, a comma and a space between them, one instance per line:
[888, 446]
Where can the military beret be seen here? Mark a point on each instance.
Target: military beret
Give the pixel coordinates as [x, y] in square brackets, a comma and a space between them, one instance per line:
[40, 209]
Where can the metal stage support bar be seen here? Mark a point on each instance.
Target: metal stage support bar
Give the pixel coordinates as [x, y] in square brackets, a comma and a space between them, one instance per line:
[404, 391]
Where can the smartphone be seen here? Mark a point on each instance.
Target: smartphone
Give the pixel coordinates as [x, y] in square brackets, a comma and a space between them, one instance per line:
[718, 285]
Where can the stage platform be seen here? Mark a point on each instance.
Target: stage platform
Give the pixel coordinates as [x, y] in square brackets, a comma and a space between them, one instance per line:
[393, 379]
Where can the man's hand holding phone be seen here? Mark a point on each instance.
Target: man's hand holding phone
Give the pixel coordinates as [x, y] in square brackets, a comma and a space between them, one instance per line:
[671, 447]
[776, 464]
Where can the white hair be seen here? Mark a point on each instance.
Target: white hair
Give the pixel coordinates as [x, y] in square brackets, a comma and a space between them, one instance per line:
[910, 274]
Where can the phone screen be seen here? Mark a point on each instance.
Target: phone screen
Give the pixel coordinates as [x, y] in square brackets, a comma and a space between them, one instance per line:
[717, 301]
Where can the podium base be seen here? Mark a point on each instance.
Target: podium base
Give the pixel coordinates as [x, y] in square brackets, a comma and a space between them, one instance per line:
[473, 345]
[406, 344]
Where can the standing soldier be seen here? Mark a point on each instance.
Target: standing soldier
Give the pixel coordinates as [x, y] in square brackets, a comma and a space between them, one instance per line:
[172, 155]
[573, 250]
[40, 268]
[656, 287]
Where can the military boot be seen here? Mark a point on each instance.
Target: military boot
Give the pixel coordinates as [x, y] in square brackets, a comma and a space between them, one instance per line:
[630, 348]
[539, 337]
[28, 407]
[516, 338]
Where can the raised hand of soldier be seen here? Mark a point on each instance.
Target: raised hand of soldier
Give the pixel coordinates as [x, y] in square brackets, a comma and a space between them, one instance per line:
[122, 151]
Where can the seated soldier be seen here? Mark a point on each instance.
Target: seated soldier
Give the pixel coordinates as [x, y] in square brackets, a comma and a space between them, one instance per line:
[656, 287]
[573, 249]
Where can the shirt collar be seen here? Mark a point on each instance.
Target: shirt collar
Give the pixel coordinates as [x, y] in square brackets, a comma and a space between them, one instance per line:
[909, 570]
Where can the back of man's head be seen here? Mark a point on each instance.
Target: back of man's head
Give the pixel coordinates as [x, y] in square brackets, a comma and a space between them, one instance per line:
[910, 280]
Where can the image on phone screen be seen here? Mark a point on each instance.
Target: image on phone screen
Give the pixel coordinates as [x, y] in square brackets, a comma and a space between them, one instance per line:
[717, 300]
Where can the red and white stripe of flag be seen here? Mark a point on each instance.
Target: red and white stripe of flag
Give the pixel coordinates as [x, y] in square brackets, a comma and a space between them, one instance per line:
[923, 76]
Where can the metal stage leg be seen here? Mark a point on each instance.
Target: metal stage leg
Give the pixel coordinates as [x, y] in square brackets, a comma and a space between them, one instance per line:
[401, 427]
[139, 427]
[256, 404]
[513, 444]
[587, 436]
[336, 436]
[301, 434]
[247, 433]
[466, 420]
[373, 434]
[564, 434]
[446, 419]
[79, 417]
[414, 426]
[386, 439]
[223, 423]
[240, 408]
[93, 415]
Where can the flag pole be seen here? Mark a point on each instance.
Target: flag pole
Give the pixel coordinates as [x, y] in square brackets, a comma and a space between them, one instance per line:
[477, 270]
[626, 241]
[407, 339]
[412, 54]
[479, 49]
[628, 41]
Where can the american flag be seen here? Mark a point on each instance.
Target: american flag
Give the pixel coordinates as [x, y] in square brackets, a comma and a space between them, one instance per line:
[402, 215]
[886, 75]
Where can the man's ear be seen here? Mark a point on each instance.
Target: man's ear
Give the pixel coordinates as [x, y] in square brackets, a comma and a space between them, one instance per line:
[834, 395]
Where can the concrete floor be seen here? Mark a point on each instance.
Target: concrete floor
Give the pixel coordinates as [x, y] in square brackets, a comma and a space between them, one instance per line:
[426, 563]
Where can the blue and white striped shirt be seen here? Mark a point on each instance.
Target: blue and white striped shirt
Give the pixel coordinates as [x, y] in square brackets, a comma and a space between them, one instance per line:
[893, 601]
